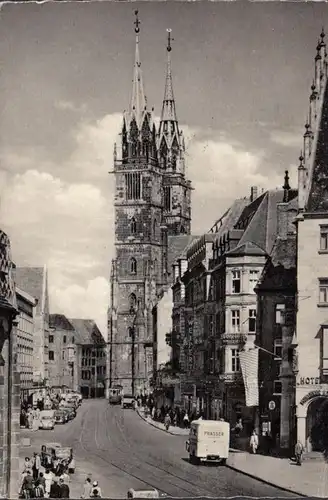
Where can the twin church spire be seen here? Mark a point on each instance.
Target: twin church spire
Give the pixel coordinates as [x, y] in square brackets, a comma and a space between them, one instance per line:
[139, 134]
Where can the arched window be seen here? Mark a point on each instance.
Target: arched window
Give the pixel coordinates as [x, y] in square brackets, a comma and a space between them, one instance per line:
[132, 302]
[155, 228]
[155, 267]
[133, 266]
[133, 226]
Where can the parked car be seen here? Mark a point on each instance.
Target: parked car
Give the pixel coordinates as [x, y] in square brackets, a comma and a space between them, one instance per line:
[67, 414]
[71, 412]
[47, 419]
[61, 417]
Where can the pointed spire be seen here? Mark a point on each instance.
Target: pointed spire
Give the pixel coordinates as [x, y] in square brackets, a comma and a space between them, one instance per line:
[168, 109]
[138, 100]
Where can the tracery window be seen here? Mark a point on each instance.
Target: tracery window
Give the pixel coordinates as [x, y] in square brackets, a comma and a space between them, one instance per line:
[133, 266]
[133, 186]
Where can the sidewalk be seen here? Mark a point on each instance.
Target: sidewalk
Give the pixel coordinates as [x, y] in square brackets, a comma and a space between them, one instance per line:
[311, 479]
[175, 431]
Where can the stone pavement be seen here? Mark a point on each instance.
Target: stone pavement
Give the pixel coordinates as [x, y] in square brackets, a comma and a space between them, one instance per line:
[31, 444]
[311, 479]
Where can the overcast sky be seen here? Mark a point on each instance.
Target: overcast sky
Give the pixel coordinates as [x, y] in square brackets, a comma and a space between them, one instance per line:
[242, 76]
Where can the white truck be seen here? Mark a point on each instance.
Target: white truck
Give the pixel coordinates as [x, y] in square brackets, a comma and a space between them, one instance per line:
[127, 401]
[208, 441]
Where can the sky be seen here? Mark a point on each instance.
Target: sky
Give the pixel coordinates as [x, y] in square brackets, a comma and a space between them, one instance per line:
[241, 72]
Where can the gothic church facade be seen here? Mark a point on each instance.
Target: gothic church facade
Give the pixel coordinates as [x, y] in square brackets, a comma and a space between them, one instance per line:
[152, 202]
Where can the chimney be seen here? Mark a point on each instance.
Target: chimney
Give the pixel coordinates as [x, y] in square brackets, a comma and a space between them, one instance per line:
[254, 193]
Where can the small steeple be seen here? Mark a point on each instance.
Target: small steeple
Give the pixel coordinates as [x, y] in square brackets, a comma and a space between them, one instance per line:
[168, 108]
[138, 99]
[286, 187]
[170, 140]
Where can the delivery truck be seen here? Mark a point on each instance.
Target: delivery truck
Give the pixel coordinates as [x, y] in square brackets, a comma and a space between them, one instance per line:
[208, 441]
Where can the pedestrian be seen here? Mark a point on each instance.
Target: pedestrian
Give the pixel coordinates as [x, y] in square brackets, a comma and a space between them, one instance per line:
[96, 491]
[167, 421]
[27, 465]
[38, 491]
[36, 466]
[42, 481]
[87, 487]
[48, 480]
[55, 490]
[27, 486]
[186, 421]
[64, 488]
[254, 442]
[65, 476]
[299, 452]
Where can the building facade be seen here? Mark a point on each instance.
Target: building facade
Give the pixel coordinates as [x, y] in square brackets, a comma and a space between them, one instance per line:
[88, 358]
[312, 265]
[220, 307]
[62, 351]
[152, 203]
[276, 320]
[34, 281]
[26, 305]
[9, 376]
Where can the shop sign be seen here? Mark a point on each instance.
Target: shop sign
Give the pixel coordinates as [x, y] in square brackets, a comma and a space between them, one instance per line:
[272, 405]
[309, 381]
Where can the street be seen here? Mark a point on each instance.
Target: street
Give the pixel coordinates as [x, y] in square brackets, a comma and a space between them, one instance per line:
[122, 451]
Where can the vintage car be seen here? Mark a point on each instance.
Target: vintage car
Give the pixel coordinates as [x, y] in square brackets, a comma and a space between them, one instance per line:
[61, 417]
[65, 456]
[48, 454]
[47, 419]
[71, 412]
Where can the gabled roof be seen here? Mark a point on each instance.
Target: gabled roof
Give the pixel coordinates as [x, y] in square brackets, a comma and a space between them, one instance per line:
[87, 331]
[280, 271]
[230, 217]
[248, 248]
[31, 280]
[262, 228]
[60, 322]
[177, 248]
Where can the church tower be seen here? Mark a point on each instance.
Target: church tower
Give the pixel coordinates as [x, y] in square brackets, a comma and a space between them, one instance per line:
[144, 218]
[171, 152]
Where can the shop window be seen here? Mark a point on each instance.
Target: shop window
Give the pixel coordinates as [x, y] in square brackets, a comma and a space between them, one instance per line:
[323, 291]
[324, 238]
[236, 281]
[235, 362]
[235, 320]
[277, 388]
[280, 314]
[277, 349]
[252, 320]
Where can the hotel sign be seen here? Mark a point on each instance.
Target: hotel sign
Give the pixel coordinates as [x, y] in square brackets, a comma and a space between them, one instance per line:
[309, 381]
